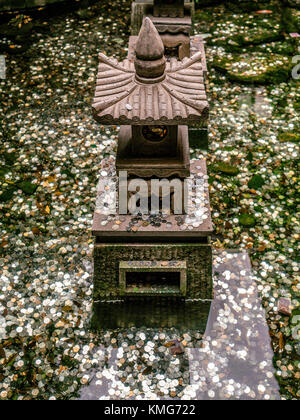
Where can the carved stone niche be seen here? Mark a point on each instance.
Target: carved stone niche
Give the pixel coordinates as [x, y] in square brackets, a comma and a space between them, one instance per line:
[168, 8]
[154, 140]
[146, 158]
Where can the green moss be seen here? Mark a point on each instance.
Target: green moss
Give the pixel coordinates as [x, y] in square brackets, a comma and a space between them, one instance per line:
[7, 195]
[256, 182]
[225, 168]
[256, 37]
[250, 5]
[289, 137]
[27, 187]
[3, 171]
[255, 69]
[290, 20]
[247, 220]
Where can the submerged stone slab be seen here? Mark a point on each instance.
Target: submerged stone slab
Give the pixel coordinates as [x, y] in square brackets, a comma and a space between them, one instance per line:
[233, 361]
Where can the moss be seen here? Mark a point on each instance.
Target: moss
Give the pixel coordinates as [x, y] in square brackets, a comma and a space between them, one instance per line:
[290, 20]
[225, 169]
[247, 220]
[255, 69]
[250, 5]
[289, 137]
[256, 37]
[7, 195]
[284, 47]
[256, 182]
[27, 187]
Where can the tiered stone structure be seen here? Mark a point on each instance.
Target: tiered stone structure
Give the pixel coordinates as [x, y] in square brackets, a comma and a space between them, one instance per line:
[154, 100]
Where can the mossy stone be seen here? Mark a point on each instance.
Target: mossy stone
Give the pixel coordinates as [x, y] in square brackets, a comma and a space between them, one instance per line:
[7, 195]
[255, 68]
[247, 220]
[256, 182]
[27, 187]
[289, 137]
[283, 47]
[225, 168]
[3, 171]
[249, 5]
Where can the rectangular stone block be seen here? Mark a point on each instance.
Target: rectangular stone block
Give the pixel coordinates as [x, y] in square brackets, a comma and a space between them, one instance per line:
[111, 258]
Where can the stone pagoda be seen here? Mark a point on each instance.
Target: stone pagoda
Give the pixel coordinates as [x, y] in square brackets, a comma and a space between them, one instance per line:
[154, 101]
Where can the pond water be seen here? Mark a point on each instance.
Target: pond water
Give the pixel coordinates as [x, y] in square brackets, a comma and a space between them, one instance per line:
[51, 152]
[226, 355]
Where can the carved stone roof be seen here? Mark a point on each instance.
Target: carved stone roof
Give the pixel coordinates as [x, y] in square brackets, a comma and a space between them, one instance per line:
[179, 99]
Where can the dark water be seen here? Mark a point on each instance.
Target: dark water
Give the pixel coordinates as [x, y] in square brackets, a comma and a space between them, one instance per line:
[151, 313]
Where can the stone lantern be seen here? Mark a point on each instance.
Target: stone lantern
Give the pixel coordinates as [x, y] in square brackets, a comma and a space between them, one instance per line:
[154, 101]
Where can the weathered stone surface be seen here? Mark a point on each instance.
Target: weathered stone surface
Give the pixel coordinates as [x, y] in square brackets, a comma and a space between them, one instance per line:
[144, 159]
[284, 306]
[195, 226]
[168, 8]
[107, 257]
[150, 62]
[183, 87]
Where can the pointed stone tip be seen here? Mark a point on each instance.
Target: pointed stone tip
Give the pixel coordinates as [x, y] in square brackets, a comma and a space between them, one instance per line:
[149, 44]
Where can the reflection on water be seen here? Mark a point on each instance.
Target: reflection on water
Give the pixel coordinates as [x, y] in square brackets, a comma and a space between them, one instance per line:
[157, 350]
[151, 313]
[256, 102]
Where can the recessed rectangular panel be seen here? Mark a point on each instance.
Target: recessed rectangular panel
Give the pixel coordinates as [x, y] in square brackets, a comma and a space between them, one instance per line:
[153, 278]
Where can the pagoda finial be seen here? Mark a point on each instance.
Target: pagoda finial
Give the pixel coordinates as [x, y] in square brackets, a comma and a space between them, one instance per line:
[150, 62]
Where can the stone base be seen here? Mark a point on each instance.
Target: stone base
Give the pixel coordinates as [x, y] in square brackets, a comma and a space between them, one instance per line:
[193, 261]
[169, 255]
[194, 227]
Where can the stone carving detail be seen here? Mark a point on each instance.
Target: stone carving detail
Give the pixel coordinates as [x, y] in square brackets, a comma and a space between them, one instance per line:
[172, 92]
[198, 258]
[168, 8]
